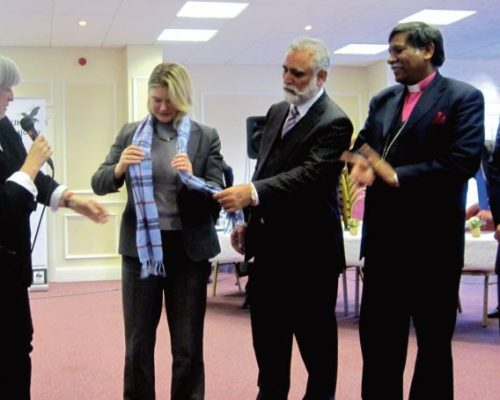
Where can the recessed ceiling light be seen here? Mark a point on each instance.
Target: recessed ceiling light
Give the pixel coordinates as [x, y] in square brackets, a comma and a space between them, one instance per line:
[362, 49]
[439, 17]
[82, 23]
[203, 9]
[187, 35]
[308, 27]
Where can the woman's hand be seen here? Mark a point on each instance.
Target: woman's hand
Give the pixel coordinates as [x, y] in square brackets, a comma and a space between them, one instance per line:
[39, 153]
[130, 155]
[181, 163]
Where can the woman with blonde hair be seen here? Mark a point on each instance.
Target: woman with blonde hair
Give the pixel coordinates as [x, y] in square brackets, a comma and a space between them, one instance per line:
[169, 164]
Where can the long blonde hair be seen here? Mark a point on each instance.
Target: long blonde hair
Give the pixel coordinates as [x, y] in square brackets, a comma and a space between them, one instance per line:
[175, 79]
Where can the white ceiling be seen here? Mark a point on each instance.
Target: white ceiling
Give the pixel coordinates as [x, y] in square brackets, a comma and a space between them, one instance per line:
[259, 35]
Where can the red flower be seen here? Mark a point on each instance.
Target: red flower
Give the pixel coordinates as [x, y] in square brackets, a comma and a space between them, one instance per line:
[439, 118]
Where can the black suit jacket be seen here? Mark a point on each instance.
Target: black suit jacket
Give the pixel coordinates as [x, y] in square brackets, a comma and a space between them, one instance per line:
[439, 149]
[16, 205]
[296, 179]
[493, 176]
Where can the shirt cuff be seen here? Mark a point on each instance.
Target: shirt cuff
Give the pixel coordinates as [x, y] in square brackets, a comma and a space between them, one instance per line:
[24, 180]
[396, 180]
[56, 196]
[255, 195]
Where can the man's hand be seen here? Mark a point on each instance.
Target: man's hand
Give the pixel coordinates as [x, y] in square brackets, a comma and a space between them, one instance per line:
[362, 172]
[238, 239]
[234, 198]
[381, 167]
[485, 215]
[85, 206]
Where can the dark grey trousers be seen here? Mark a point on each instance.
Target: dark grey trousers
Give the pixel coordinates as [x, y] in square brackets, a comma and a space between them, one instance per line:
[184, 290]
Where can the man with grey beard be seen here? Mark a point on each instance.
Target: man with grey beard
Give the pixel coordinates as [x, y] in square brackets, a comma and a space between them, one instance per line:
[293, 228]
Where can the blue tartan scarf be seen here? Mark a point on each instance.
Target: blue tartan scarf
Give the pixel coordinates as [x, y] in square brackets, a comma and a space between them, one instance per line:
[148, 235]
[196, 183]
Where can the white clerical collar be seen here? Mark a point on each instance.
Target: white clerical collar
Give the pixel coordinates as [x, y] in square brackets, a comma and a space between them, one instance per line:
[413, 88]
[420, 86]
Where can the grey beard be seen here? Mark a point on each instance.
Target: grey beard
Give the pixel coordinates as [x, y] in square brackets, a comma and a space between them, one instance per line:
[301, 96]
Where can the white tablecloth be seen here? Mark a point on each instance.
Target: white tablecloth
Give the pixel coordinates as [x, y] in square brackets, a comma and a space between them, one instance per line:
[351, 246]
[480, 253]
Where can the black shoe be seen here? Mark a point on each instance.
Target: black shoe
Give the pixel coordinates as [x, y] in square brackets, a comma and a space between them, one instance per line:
[493, 314]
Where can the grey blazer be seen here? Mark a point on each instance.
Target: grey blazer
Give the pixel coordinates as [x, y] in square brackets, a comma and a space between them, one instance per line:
[198, 212]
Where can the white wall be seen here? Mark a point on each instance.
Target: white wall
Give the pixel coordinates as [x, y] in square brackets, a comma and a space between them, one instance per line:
[87, 105]
[226, 95]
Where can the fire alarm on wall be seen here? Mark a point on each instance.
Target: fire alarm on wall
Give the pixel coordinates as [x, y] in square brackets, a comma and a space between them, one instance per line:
[82, 61]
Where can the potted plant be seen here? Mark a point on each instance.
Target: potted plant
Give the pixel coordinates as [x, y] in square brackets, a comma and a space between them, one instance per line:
[353, 226]
[350, 194]
[474, 225]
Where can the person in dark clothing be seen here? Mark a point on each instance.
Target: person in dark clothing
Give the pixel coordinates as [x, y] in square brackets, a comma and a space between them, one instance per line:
[22, 187]
[422, 141]
[493, 177]
[293, 226]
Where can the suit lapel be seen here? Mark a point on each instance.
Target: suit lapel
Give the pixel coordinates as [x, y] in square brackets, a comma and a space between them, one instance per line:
[392, 110]
[305, 124]
[12, 144]
[271, 133]
[192, 147]
[295, 135]
[429, 99]
[194, 142]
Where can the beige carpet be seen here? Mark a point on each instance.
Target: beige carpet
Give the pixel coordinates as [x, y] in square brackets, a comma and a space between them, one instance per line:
[79, 346]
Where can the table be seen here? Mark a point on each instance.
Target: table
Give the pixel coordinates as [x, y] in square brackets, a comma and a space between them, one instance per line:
[479, 254]
[479, 260]
[352, 246]
[229, 256]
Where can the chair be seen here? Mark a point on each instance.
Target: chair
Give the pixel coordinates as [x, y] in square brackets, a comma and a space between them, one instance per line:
[485, 273]
[357, 280]
[227, 256]
[215, 274]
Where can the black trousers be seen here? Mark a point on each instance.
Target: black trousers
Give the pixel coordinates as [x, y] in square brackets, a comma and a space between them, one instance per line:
[289, 300]
[425, 294]
[15, 361]
[184, 291]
